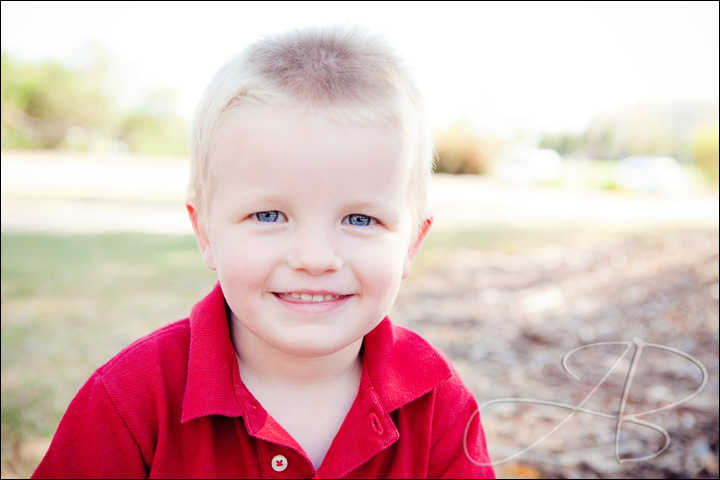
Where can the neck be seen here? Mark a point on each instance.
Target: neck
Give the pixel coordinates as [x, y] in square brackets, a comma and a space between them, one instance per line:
[260, 362]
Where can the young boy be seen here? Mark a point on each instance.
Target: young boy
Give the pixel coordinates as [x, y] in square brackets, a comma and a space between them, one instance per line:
[310, 160]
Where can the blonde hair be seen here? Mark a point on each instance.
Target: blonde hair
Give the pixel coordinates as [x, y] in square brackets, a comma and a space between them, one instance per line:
[344, 72]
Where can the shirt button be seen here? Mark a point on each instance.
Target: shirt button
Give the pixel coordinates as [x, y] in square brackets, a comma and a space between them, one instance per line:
[279, 463]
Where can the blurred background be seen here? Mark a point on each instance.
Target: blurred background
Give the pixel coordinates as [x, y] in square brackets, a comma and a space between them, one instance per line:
[575, 196]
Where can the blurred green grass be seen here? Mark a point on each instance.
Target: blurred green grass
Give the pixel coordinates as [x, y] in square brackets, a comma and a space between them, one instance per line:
[71, 302]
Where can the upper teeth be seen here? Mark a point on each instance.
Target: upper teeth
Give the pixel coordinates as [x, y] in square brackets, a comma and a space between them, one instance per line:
[306, 297]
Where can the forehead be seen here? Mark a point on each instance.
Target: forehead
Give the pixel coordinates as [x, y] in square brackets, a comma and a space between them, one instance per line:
[273, 142]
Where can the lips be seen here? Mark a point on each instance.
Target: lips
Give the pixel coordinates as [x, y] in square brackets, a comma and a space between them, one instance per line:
[312, 302]
[305, 297]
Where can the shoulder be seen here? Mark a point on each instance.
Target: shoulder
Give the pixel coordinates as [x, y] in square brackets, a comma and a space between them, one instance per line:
[403, 367]
[416, 347]
[159, 359]
[446, 409]
[162, 344]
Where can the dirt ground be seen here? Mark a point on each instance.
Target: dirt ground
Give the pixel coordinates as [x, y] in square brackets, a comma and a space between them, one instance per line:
[506, 317]
[507, 320]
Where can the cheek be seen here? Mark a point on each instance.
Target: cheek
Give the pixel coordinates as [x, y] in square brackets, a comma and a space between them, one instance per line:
[379, 268]
[380, 286]
[244, 263]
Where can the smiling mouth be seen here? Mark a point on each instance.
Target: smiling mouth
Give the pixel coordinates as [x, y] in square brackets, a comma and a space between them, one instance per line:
[308, 298]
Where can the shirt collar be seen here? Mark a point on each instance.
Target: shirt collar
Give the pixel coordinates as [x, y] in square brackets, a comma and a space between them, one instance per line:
[391, 358]
[211, 386]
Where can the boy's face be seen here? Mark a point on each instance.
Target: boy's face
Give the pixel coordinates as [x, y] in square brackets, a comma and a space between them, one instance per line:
[309, 228]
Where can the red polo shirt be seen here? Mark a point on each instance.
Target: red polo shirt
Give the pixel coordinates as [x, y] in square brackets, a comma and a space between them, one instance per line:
[172, 405]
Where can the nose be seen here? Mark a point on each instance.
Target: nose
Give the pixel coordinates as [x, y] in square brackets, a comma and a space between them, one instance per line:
[314, 251]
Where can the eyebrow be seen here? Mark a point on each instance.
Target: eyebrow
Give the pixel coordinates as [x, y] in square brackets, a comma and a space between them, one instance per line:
[255, 200]
[374, 209]
[257, 197]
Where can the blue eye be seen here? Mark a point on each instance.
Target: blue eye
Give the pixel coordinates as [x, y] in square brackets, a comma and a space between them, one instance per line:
[267, 217]
[360, 220]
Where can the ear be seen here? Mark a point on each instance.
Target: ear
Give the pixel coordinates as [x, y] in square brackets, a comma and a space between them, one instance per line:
[415, 247]
[200, 235]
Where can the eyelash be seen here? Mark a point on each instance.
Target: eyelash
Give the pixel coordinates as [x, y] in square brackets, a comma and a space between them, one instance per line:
[366, 218]
[272, 216]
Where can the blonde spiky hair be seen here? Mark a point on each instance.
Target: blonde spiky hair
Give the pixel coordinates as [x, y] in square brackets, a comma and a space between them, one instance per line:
[342, 72]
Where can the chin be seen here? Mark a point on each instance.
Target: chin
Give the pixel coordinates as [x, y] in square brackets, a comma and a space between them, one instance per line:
[312, 347]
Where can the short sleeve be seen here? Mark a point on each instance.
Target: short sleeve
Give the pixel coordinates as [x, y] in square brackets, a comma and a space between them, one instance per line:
[93, 440]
